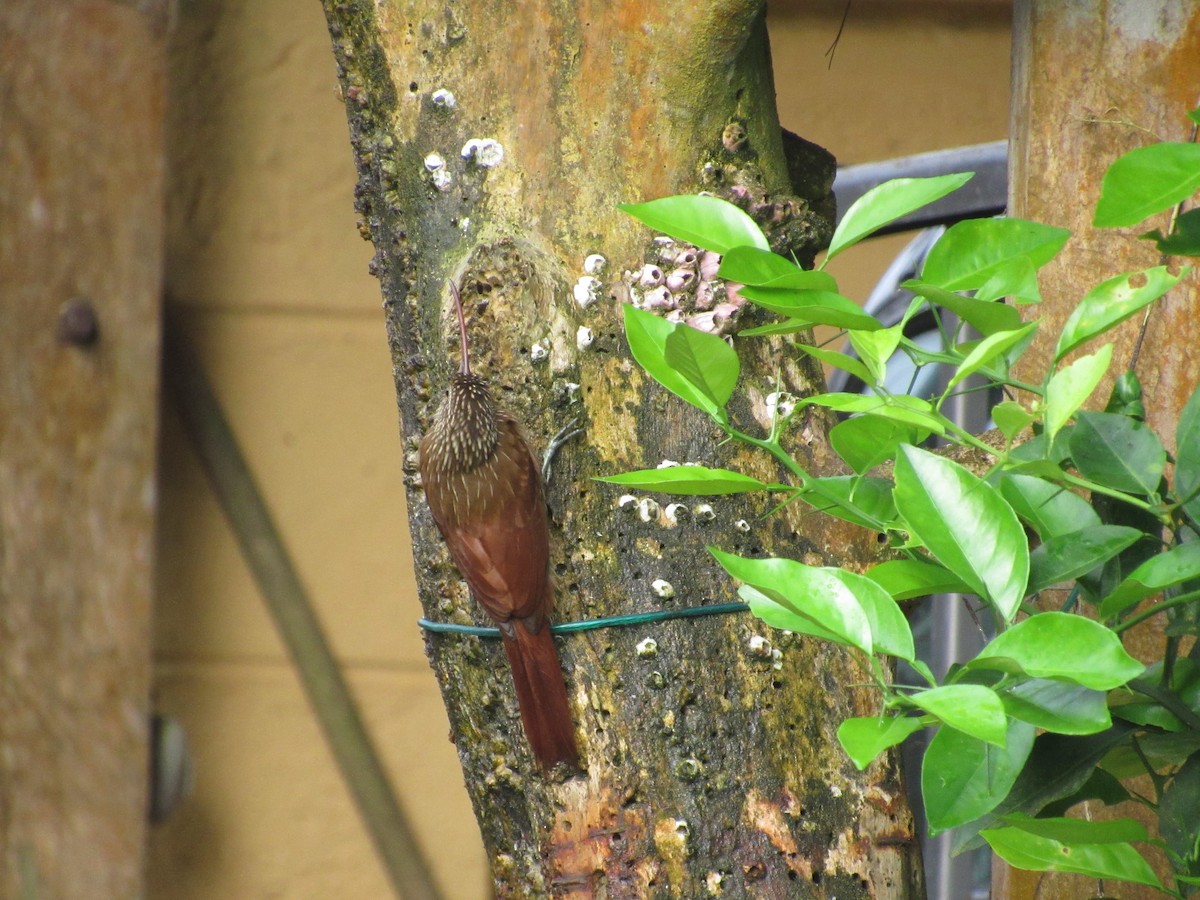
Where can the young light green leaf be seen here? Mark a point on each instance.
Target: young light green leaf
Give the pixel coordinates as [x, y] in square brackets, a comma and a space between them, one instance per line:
[779, 614]
[865, 738]
[890, 632]
[973, 251]
[1015, 278]
[1079, 831]
[693, 481]
[1118, 452]
[875, 348]
[1187, 457]
[1061, 646]
[864, 501]
[1179, 564]
[970, 708]
[886, 203]
[866, 441]
[1146, 181]
[905, 579]
[757, 267]
[1011, 418]
[819, 307]
[788, 326]
[988, 349]
[841, 361]
[985, 316]
[704, 360]
[708, 222]
[1049, 508]
[898, 407]
[1023, 850]
[963, 778]
[1063, 557]
[1057, 706]
[1071, 386]
[966, 524]
[811, 593]
[1112, 302]
[647, 335]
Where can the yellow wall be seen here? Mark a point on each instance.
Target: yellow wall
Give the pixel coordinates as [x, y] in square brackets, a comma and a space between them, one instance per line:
[265, 258]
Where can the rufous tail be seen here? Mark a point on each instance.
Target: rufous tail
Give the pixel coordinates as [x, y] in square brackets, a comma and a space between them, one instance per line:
[542, 695]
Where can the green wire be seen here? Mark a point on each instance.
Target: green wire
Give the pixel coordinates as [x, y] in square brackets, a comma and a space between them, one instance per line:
[626, 621]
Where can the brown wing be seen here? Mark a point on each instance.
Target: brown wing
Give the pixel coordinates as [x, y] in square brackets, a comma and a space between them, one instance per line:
[494, 523]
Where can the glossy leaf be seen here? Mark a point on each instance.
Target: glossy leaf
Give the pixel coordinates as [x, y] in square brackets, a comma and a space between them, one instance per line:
[1066, 556]
[820, 307]
[963, 778]
[647, 335]
[1146, 181]
[806, 592]
[838, 360]
[694, 481]
[865, 738]
[1011, 418]
[1057, 706]
[905, 579]
[991, 347]
[899, 408]
[1061, 646]
[1184, 239]
[1112, 302]
[985, 316]
[1071, 386]
[886, 203]
[890, 632]
[1118, 452]
[970, 708]
[1024, 850]
[861, 500]
[708, 222]
[779, 614]
[755, 266]
[788, 326]
[1050, 509]
[973, 251]
[866, 441]
[875, 348]
[1079, 831]
[966, 524]
[704, 360]
[1016, 278]
[1161, 571]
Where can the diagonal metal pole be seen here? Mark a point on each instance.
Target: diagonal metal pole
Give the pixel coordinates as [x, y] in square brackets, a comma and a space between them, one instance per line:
[295, 618]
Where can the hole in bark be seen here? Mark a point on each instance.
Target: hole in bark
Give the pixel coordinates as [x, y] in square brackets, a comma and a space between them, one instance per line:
[816, 876]
[412, 86]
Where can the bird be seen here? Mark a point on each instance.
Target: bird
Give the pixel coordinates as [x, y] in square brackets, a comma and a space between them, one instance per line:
[484, 489]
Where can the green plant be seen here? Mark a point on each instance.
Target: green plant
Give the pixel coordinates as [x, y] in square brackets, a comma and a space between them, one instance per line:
[1053, 710]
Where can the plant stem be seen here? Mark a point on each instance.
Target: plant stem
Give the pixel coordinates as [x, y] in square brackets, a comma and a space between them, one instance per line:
[1154, 610]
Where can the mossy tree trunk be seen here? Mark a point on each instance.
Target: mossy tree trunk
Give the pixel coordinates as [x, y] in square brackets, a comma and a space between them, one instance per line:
[712, 766]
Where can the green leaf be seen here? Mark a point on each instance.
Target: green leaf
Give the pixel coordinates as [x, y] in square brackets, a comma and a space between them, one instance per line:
[963, 778]
[890, 633]
[839, 361]
[866, 441]
[1161, 571]
[1066, 556]
[708, 222]
[648, 334]
[888, 202]
[1023, 850]
[988, 349]
[808, 594]
[820, 307]
[754, 266]
[1112, 302]
[1072, 385]
[1061, 646]
[985, 316]
[1187, 457]
[966, 524]
[1100, 786]
[1016, 278]
[1057, 706]
[1011, 418]
[973, 251]
[781, 615]
[1184, 240]
[1179, 813]
[865, 738]
[704, 360]
[897, 407]
[1146, 181]
[788, 326]
[970, 708]
[905, 579]
[1118, 452]
[863, 501]
[1079, 831]
[694, 481]
[1050, 509]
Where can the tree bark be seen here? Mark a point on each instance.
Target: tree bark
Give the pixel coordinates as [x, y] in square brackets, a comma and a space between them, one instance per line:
[711, 767]
[1094, 79]
[81, 199]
